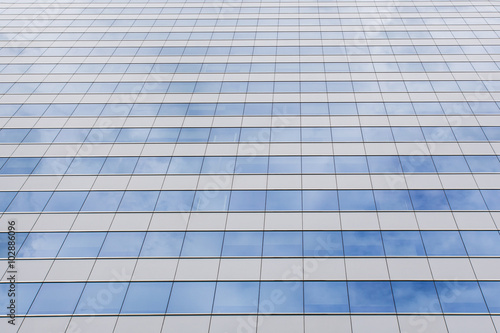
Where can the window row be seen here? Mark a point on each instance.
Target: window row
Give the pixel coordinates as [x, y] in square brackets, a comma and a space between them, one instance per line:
[250, 134]
[281, 67]
[437, 8]
[247, 50]
[249, 165]
[254, 200]
[261, 87]
[247, 109]
[261, 22]
[250, 297]
[251, 35]
[254, 244]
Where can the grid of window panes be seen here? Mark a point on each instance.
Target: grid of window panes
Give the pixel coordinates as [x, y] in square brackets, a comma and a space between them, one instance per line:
[240, 166]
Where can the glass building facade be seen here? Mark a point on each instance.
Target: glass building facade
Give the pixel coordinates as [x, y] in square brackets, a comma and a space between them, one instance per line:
[250, 166]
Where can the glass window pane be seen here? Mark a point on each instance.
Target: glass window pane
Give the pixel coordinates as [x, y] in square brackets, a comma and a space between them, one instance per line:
[53, 165]
[284, 164]
[317, 164]
[326, 297]
[429, 200]
[82, 244]
[41, 245]
[417, 163]
[450, 164]
[481, 243]
[403, 243]
[113, 245]
[323, 243]
[138, 201]
[191, 297]
[211, 200]
[465, 200]
[66, 201]
[5, 199]
[218, 164]
[175, 201]
[320, 200]
[248, 201]
[114, 165]
[362, 243]
[491, 198]
[384, 164]
[202, 244]
[483, 163]
[356, 200]
[251, 164]
[182, 164]
[415, 297]
[461, 297]
[152, 165]
[283, 200]
[392, 200]
[86, 165]
[491, 292]
[102, 298]
[242, 244]
[281, 297]
[236, 297]
[443, 243]
[374, 297]
[351, 164]
[162, 244]
[29, 202]
[19, 165]
[102, 201]
[283, 243]
[147, 297]
[57, 298]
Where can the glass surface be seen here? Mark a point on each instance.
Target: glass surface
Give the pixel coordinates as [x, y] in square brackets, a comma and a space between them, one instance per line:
[326, 297]
[102, 201]
[211, 200]
[392, 200]
[242, 244]
[491, 292]
[323, 243]
[29, 202]
[356, 200]
[162, 244]
[175, 201]
[138, 201]
[283, 243]
[429, 200]
[281, 297]
[56, 298]
[460, 297]
[113, 244]
[236, 297]
[191, 297]
[102, 298]
[41, 245]
[366, 297]
[403, 243]
[319, 200]
[481, 243]
[443, 243]
[202, 244]
[362, 243]
[415, 297]
[247, 201]
[66, 201]
[82, 244]
[465, 200]
[283, 200]
[147, 297]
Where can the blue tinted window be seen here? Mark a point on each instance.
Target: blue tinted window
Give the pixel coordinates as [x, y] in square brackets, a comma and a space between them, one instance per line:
[114, 165]
[491, 292]
[138, 201]
[450, 164]
[66, 201]
[114, 244]
[320, 200]
[5, 199]
[465, 200]
[362, 243]
[41, 245]
[202, 244]
[429, 200]
[377, 134]
[105, 201]
[224, 135]
[317, 164]
[281, 297]
[82, 244]
[211, 200]
[491, 199]
[460, 297]
[356, 200]
[249, 134]
[56, 298]
[19, 165]
[384, 164]
[317, 134]
[28, 292]
[175, 201]
[191, 297]
[351, 164]
[152, 165]
[417, 163]
[41, 135]
[13, 135]
[326, 297]
[194, 135]
[392, 200]
[483, 163]
[370, 297]
[403, 243]
[247, 200]
[162, 244]
[283, 243]
[402, 134]
[443, 243]
[147, 297]
[283, 200]
[29, 202]
[285, 134]
[133, 135]
[251, 164]
[236, 297]
[284, 164]
[481, 243]
[242, 244]
[347, 134]
[72, 135]
[86, 165]
[469, 133]
[415, 297]
[218, 164]
[163, 135]
[492, 133]
[53, 165]
[181, 164]
[112, 293]
[438, 134]
[323, 243]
